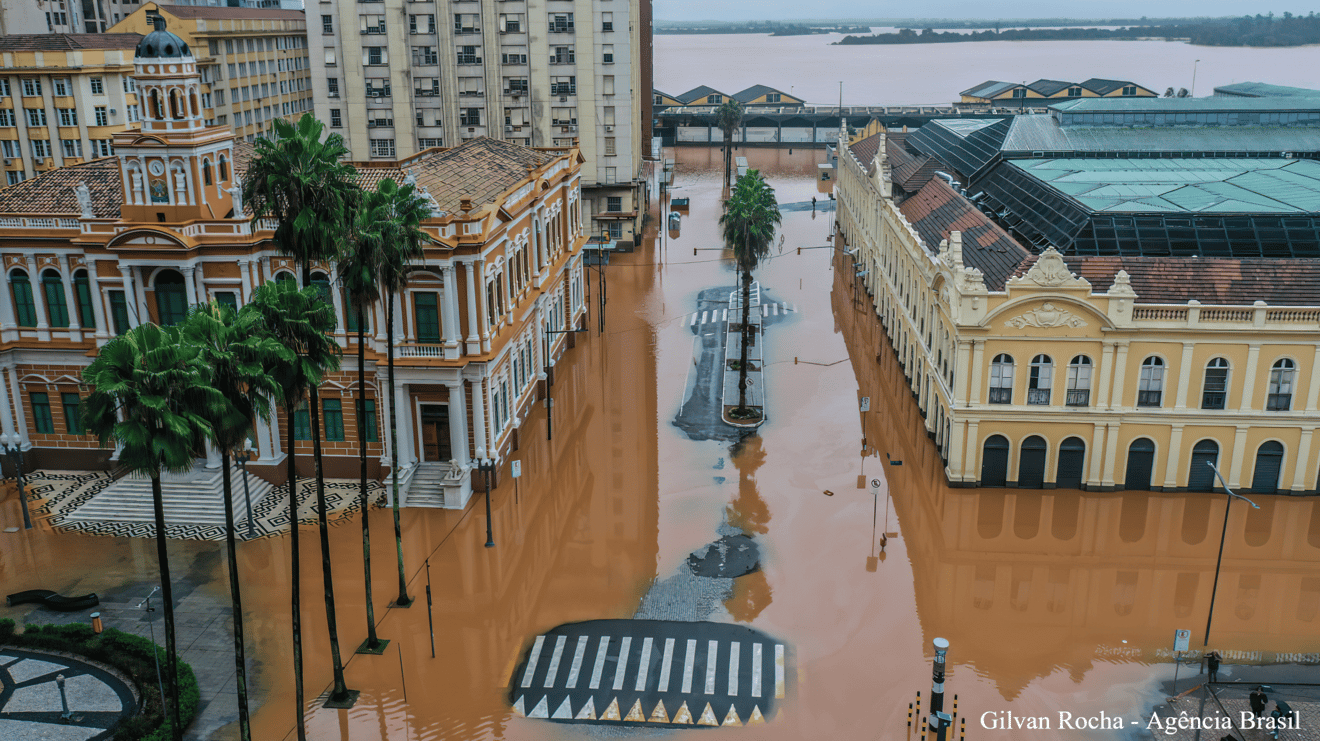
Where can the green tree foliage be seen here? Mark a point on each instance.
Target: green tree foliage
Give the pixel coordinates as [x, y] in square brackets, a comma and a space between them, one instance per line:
[748, 227]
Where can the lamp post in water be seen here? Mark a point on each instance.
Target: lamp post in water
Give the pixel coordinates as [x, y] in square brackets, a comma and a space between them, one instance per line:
[1222, 535]
[939, 720]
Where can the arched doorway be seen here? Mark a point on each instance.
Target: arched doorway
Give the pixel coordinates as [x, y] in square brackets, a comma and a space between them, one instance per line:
[171, 298]
[1201, 477]
[1031, 463]
[994, 461]
[1072, 460]
[1141, 459]
[1269, 462]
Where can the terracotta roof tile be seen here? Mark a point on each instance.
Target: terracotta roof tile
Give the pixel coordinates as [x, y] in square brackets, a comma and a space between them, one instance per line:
[864, 149]
[68, 41]
[52, 192]
[481, 169]
[1210, 280]
[936, 210]
[910, 170]
[210, 11]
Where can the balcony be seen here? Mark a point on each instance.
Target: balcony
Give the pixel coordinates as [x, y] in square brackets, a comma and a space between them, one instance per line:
[1001, 396]
[1278, 403]
[1149, 398]
[1040, 397]
[468, 59]
[1213, 400]
[410, 350]
[1079, 398]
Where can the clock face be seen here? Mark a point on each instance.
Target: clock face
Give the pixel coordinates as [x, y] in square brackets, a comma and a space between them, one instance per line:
[157, 167]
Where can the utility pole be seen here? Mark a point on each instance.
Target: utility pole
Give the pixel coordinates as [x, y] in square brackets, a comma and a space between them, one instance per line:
[939, 720]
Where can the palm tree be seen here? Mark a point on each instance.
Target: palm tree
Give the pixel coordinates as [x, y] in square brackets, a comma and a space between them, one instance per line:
[750, 217]
[152, 397]
[303, 183]
[300, 320]
[401, 241]
[728, 117]
[235, 348]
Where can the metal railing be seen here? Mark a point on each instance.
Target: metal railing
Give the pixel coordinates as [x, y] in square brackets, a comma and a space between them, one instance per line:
[1001, 396]
[1038, 396]
[1079, 398]
[1149, 398]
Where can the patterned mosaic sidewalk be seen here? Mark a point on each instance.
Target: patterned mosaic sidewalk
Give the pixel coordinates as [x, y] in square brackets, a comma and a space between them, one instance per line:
[52, 495]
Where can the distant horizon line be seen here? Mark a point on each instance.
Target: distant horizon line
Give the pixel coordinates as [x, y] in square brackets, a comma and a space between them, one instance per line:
[911, 19]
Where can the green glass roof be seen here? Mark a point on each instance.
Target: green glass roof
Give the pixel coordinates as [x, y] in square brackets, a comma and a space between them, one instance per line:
[1278, 186]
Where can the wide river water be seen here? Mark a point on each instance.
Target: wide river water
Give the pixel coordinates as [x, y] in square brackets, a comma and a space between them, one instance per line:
[811, 68]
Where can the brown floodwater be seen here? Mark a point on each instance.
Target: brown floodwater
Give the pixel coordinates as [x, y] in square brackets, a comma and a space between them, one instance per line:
[1051, 599]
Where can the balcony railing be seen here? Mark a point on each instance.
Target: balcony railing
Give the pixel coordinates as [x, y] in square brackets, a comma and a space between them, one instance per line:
[1213, 399]
[1149, 398]
[1038, 396]
[1278, 403]
[1079, 398]
[421, 351]
[1001, 396]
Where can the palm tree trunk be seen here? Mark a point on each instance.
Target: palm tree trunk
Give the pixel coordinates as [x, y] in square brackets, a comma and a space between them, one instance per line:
[340, 692]
[372, 641]
[167, 597]
[295, 562]
[746, 320]
[236, 603]
[403, 600]
[728, 154]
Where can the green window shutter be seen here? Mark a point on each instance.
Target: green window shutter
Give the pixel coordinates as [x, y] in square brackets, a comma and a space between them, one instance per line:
[171, 303]
[367, 410]
[350, 318]
[72, 413]
[428, 317]
[302, 424]
[227, 298]
[334, 420]
[119, 311]
[25, 310]
[41, 413]
[82, 290]
[56, 309]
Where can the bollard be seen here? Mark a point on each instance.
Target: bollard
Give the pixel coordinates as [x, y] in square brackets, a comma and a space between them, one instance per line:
[65, 716]
[940, 721]
[909, 715]
[96, 623]
[962, 730]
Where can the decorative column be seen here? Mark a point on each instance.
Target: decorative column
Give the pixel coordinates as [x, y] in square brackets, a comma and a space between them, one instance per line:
[130, 294]
[1120, 372]
[245, 272]
[200, 274]
[212, 457]
[1249, 378]
[1302, 481]
[1094, 476]
[404, 424]
[70, 301]
[1174, 458]
[9, 324]
[479, 417]
[38, 296]
[1101, 383]
[458, 438]
[474, 337]
[972, 457]
[399, 335]
[954, 446]
[978, 359]
[98, 307]
[449, 311]
[20, 419]
[1111, 457]
[144, 315]
[1184, 375]
[1239, 455]
[341, 326]
[1313, 392]
[485, 316]
[189, 284]
[6, 414]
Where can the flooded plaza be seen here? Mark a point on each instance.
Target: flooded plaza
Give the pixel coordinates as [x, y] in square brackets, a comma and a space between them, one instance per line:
[1051, 599]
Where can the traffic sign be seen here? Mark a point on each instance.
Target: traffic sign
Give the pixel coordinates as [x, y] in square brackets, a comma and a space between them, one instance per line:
[866, 403]
[516, 468]
[1181, 639]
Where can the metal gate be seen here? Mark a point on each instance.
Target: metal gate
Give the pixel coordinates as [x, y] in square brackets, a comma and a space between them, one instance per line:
[1072, 460]
[1141, 458]
[994, 461]
[1031, 463]
[1201, 477]
[1269, 461]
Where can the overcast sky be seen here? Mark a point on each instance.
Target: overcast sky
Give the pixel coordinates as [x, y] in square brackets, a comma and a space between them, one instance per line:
[676, 10]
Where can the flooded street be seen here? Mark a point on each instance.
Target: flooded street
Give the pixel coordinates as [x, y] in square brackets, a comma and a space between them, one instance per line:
[1051, 599]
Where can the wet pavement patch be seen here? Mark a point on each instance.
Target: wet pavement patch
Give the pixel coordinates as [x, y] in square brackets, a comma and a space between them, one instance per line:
[730, 556]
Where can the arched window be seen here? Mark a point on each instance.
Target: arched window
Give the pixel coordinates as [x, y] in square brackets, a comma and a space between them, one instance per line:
[1140, 461]
[1041, 381]
[171, 298]
[25, 310]
[192, 101]
[322, 283]
[157, 109]
[82, 293]
[1269, 462]
[1282, 376]
[224, 168]
[1201, 477]
[52, 289]
[1079, 382]
[176, 106]
[1031, 463]
[1001, 379]
[1214, 392]
[1072, 460]
[284, 275]
[1151, 387]
[206, 171]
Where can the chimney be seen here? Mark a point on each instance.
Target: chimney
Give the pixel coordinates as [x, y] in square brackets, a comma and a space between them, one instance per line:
[465, 203]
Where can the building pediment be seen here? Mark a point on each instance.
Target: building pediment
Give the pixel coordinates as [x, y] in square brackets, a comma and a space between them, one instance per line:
[149, 239]
[1050, 271]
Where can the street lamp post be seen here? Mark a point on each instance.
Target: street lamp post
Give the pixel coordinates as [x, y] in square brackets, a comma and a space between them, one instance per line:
[1222, 535]
[1192, 93]
[14, 446]
[487, 466]
[549, 381]
[155, 655]
[242, 457]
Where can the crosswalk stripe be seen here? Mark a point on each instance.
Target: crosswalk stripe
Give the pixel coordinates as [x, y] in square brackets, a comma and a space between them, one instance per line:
[645, 665]
[542, 710]
[712, 653]
[688, 661]
[756, 670]
[664, 667]
[565, 711]
[779, 670]
[734, 649]
[553, 669]
[624, 646]
[531, 662]
[600, 662]
[588, 711]
[765, 311]
[577, 663]
[794, 308]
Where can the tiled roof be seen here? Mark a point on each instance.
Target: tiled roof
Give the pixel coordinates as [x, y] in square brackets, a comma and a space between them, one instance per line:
[754, 92]
[1210, 280]
[864, 150]
[937, 210]
[52, 192]
[481, 169]
[1265, 90]
[214, 12]
[910, 170]
[1102, 86]
[700, 91]
[1049, 87]
[987, 89]
[68, 41]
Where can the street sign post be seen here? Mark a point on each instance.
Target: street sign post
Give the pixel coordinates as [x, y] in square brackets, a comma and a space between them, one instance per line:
[866, 403]
[516, 468]
[1181, 640]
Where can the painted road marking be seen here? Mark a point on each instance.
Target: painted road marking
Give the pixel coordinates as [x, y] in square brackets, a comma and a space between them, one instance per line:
[531, 662]
[600, 662]
[794, 308]
[645, 665]
[577, 663]
[665, 665]
[712, 654]
[765, 311]
[565, 711]
[774, 309]
[734, 649]
[624, 646]
[779, 670]
[553, 669]
[687, 665]
[756, 670]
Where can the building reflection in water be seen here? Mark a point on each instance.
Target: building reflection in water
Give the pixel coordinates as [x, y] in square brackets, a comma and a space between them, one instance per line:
[748, 512]
[1028, 581]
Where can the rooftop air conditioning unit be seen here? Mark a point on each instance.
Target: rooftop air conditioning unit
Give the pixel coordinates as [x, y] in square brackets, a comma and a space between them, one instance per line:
[609, 128]
[113, 111]
[9, 162]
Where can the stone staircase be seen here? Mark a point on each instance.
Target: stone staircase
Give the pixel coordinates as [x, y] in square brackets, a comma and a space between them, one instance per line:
[427, 488]
[192, 498]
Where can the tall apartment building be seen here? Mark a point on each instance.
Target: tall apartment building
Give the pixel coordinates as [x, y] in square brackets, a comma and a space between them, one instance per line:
[62, 97]
[253, 61]
[93, 16]
[395, 77]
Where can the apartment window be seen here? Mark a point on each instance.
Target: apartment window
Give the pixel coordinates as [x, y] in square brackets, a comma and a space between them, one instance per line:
[515, 117]
[132, 112]
[465, 23]
[614, 204]
[428, 117]
[6, 116]
[31, 86]
[609, 146]
[427, 143]
[1001, 379]
[98, 86]
[607, 113]
[9, 148]
[1129, 89]
[614, 229]
[336, 121]
[428, 317]
[468, 55]
[1041, 380]
[36, 116]
[60, 85]
[607, 54]
[382, 147]
[102, 147]
[513, 55]
[511, 23]
[243, 69]
[426, 87]
[611, 174]
[562, 55]
[233, 70]
[561, 23]
[101, 115]
[302, 423]
[607, 85]
[1282, 376]
[564, 116]
[515, 86]
[383, 122]
[4, 87]
[1079, 382]
[40, 148]
[469, 116]
[14, 177]
[330, 58]
[1150, 387]
[327, 24]
[229, 46]
[41, 418]
[1214, 391]
[607, 21]
[119, 311]
[425, 55]
[421, 24]
[378, 87]
[563, 86]
[72, 413]
[375, 55]
[332, 86]
[52, 288]
[366, 410]
[372, 24]
[25, 309]
[470, 86]
[71, 147]
[333, 414]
